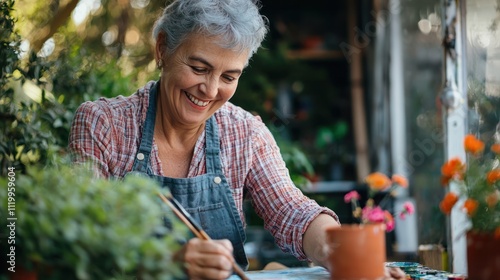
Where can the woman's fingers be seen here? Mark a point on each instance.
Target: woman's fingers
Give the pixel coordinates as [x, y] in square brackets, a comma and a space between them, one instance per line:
[397, 273]
[227, 244]
[208, 259]
[394, 273]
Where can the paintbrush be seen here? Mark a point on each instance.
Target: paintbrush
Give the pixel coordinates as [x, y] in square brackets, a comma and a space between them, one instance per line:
[186, 218]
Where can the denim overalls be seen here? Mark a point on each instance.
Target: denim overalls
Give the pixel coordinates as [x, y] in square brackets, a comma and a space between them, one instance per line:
[206, 197]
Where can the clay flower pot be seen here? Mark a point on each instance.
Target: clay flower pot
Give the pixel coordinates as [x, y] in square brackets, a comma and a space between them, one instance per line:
[23, 274]
[483, 256]
[356, 251]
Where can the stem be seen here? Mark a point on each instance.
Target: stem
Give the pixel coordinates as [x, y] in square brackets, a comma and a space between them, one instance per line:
[381, 204]
[354, 207]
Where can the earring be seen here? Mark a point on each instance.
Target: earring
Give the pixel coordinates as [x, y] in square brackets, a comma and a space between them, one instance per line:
[159, 63]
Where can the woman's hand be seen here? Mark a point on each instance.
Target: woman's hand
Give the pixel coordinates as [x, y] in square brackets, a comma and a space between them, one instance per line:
[207, 259]
[394, 273]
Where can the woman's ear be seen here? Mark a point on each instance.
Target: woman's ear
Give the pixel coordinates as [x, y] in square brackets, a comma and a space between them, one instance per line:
[161, 46]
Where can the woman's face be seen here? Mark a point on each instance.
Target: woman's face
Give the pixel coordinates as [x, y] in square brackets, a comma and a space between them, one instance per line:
[198, 78]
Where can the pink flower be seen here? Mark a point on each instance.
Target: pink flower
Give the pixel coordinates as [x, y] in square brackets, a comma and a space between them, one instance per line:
[389, 226]
[408, 208]
[350, 196]
[373, 215]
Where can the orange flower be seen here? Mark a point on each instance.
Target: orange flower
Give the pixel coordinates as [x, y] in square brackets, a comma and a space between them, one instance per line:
[493, 176]
[447, 203]
[454, 168]
[492, 199]
[495, 148]
[473, 145]
[470, 206]
[400, 180]
[378, 181]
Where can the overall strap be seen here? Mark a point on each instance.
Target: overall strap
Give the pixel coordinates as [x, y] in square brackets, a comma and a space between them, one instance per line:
[212, 147]
[142, 157]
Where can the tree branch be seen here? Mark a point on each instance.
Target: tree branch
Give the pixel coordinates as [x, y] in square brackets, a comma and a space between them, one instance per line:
[50, 29]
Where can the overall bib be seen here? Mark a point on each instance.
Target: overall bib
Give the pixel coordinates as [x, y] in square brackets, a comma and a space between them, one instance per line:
[206, 197]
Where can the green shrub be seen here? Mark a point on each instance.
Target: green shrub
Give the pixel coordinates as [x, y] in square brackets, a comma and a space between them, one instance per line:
[8, 42]
[72, 226]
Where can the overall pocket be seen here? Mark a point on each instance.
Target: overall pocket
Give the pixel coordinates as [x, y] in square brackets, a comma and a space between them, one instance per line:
[214, 219]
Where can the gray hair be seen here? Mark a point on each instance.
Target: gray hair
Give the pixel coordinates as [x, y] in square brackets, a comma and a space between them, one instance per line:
[237, 22]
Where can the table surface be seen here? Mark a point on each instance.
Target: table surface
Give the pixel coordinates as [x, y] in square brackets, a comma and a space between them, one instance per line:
[301, 273]
[320, 273]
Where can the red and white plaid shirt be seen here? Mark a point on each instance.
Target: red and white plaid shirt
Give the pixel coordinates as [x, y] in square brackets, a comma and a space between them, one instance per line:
[108, 133]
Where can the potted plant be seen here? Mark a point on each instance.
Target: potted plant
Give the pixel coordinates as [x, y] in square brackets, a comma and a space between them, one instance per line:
[478, 183]
[364, 243]
[69, 225]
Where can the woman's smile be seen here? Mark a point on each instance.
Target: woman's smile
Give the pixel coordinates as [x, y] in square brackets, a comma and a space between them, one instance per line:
[196, 101]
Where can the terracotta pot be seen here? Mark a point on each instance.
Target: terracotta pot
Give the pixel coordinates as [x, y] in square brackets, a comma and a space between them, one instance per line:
[356, 252]
[23, 274]
[483, 256]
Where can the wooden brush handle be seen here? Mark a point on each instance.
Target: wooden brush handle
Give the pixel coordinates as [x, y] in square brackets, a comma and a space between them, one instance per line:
[184, 216]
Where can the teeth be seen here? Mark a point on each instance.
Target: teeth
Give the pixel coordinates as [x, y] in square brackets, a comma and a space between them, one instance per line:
[196, 101]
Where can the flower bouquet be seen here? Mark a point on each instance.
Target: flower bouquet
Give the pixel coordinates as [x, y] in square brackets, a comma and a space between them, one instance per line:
[372, 213]
[479, 185]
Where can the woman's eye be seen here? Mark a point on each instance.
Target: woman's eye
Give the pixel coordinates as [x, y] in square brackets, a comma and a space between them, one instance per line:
[199, 69]
[228, 78]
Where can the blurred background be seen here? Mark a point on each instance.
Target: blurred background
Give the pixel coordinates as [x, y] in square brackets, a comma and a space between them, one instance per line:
[347, 87]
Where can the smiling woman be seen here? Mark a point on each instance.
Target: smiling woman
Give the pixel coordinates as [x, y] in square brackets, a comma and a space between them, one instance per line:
[182, 131]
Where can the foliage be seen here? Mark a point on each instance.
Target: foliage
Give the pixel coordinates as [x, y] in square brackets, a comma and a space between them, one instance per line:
[33, 132]
[479, 185]
[27, 136]
[72, 226]
[258, 84]
[126, 25]
[269, 72]
[40, 95]
[299, 167]
[8, 39]
[20, 140]
[371, 213]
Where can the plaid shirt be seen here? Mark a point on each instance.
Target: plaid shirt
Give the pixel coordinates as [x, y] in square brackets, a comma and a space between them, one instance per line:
[108, 133]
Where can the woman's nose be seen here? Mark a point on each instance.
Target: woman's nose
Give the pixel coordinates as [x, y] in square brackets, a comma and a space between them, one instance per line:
[210, 87]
